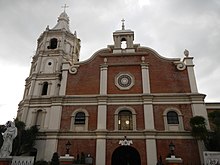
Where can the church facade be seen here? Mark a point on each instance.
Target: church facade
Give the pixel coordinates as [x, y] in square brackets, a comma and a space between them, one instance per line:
[126, 103]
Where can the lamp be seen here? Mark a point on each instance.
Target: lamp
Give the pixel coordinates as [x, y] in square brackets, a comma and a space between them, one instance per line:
[68, 144]
[171, 148]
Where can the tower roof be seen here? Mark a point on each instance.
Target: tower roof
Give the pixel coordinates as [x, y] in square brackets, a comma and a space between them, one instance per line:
[62, 22]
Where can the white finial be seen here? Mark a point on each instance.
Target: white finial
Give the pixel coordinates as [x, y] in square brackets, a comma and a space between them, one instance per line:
[47, 28]
[123, 24]
[74, 33]
[64, 7]
[105, 60]
[186, 52]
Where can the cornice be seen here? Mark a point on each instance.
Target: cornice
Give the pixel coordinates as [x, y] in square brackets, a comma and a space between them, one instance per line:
[115, 134]
[115, 99]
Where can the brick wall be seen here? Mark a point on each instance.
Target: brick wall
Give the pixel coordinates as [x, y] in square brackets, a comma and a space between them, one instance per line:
[87, 146]
[164, 77]
[68, 111]
[160, 108]
[185, 149]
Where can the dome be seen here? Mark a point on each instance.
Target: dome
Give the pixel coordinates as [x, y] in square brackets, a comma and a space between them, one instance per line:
[62, 22]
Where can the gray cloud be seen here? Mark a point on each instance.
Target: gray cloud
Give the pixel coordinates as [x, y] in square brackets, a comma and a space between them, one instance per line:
[168, 27]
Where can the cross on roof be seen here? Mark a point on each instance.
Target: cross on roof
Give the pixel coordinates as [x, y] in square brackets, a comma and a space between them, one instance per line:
[123, 24]
[65, 6]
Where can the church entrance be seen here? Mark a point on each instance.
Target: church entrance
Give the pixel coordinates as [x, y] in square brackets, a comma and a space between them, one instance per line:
[126, 155]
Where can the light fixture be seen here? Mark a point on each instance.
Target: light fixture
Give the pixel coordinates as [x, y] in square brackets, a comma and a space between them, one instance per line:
[171, 148]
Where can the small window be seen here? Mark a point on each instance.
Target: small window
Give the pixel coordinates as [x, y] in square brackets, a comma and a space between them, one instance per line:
[45, 88]
[125, 120]
[53, 44]
[172, 117]
[123, 43]
[80, 118]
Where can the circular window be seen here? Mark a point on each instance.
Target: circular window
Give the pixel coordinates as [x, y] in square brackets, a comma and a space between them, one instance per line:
[124, 81]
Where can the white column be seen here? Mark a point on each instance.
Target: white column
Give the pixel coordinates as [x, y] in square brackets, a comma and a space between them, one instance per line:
[145, 78]
[24, 116]
[151, 150]
[102, 113]
[55, 117]
[100, 151]
[199, 109]
[148, 117]
[103, 79]
[64, 79]
[190, 69]
[49, 148]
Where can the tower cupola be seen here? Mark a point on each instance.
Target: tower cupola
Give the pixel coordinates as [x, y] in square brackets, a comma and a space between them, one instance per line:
[123, 40]
[62, 22]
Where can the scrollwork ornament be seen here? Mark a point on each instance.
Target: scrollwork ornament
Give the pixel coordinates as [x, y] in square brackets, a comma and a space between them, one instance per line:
[73, 69]
[180, 65]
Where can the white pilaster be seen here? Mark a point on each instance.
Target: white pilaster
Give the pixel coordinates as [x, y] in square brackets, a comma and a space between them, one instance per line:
[102, 113]
[103, 79]
[148, 113]
[55, 117]
[148, 117]
[199, 109]
[151, 150]
[50, 147]
[190, 69]
[64, 79]
[100, 151]
[24, 114]
[145, 78]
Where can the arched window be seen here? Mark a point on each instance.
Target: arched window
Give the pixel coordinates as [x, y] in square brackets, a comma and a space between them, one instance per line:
[53, 44]
[172, 117]
[123, 43]
[80, 118]
[45, 88]
[125, 120]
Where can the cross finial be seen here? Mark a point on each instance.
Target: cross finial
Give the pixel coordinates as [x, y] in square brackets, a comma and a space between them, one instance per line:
[123, 24]
[65, 6]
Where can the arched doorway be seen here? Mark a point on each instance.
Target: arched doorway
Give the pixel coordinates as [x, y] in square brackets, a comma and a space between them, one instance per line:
[126, 155]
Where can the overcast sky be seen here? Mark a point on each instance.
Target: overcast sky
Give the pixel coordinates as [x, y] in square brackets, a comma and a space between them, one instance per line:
[167, 26]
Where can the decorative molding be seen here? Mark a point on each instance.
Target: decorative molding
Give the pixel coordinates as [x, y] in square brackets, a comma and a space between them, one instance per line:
[73, 69]
[180, 65]
[125, 142]
[124, 81]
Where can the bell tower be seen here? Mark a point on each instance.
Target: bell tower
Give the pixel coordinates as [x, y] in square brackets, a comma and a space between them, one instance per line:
[57, 49]
[54, 47]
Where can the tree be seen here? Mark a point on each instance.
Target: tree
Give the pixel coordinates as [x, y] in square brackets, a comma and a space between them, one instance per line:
[211, 139]
[199, 130]
[25, 139]
[214, 136]
[55, 159]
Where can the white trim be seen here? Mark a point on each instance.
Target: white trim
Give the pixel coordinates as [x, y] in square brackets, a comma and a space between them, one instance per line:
[79, 127]
[133, 117]
[176, 127]
[103, 79]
